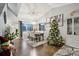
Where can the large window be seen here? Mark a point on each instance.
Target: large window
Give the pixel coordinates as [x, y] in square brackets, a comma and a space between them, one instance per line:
[73, 26]
[69, 26]
[41, 27]
[76, 26]
[27, 27]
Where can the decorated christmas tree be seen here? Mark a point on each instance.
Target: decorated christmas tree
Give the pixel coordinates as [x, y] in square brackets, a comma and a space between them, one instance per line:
[54, 37]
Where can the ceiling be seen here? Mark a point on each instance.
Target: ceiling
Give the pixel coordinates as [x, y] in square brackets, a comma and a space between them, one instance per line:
[33, 11]
[1, 7]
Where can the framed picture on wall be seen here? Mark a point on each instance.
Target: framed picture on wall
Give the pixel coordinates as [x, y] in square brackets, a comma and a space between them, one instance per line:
[51, 19]
[59, 19]
[48, 20]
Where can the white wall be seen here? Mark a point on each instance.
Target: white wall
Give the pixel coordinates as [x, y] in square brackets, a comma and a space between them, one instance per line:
[12, 16]
[2, 25]
[66, 10]
[12, 21]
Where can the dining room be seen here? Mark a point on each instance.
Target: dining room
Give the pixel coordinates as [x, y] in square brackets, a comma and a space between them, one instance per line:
[34, 33]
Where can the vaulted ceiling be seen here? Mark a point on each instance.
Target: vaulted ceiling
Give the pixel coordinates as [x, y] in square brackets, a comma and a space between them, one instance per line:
[1, 7]
[29, 12]
[33, 11]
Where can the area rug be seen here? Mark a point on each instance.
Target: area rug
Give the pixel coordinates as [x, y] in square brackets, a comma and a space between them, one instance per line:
[67, 51]
[35, 44]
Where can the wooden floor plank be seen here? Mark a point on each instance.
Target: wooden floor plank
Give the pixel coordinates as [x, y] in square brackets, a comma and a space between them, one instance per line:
[23, 49]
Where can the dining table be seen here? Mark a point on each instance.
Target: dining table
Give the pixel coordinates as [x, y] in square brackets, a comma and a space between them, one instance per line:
[39, 35]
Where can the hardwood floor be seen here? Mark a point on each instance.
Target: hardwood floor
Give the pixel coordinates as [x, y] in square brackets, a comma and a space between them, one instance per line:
[23, 49]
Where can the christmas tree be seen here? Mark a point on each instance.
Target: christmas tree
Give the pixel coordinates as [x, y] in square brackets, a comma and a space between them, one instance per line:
[54, 37]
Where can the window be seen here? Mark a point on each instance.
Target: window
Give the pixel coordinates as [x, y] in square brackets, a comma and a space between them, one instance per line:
[41, 27]
[27, 27]
[69, 26]
[23, 28]
[73, 26]
[76, 26]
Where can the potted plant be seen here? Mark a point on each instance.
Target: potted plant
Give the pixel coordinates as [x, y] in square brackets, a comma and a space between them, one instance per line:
[11, 36]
